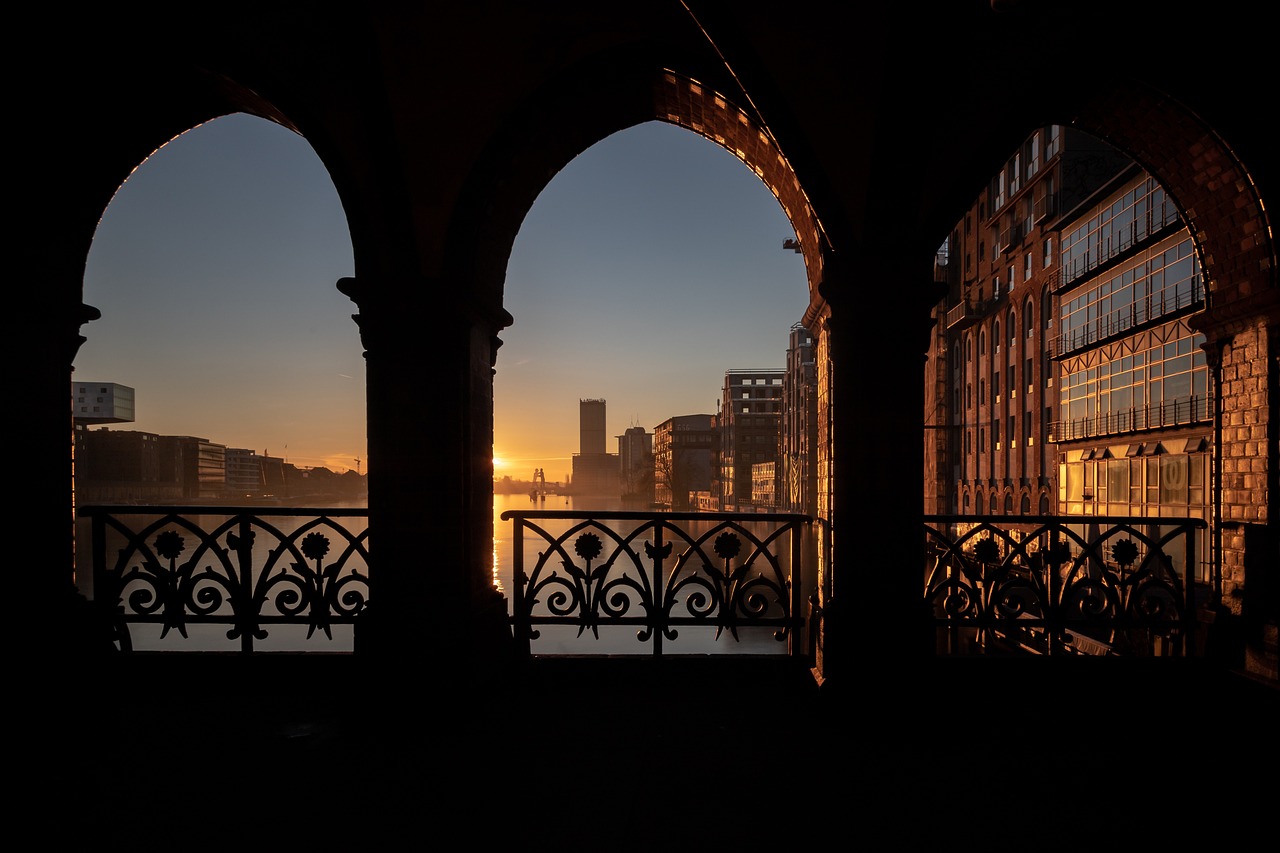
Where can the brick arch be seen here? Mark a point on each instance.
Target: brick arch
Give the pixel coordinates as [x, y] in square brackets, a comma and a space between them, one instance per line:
[1211, 187]
[571, 115]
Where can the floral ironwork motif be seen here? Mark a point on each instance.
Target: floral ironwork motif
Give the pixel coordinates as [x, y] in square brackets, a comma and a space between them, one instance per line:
[624, 569]
[1058, 589]
[1124, 552]
[243, 585]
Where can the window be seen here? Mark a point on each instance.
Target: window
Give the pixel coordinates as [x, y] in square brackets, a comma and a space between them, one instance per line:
[1026, 267]
[982, 339]
[1047, 251]
[1029, 375]
[1011, 278]
[982, 391]
[1029, 318]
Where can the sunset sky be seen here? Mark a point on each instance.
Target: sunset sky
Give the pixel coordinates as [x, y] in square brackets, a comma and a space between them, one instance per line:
[648, 267]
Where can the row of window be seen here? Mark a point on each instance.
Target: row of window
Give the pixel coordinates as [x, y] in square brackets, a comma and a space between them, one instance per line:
[1024, 165]
[1158, 282]
[1173, 372]
[1140, 212]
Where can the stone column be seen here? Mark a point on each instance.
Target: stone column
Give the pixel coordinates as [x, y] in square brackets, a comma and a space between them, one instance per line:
[41, 579]
[429, 363]
[875, 336]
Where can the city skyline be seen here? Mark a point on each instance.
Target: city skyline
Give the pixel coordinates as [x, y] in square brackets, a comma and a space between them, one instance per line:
[649, 266]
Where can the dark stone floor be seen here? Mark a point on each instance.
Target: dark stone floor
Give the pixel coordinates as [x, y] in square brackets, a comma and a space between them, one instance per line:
[642, 755]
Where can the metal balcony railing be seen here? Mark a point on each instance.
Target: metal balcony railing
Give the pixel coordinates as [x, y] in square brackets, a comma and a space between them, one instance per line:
[237, 579]
[251, 580]
[1168, 413]
[659, 583]
[1055, 585]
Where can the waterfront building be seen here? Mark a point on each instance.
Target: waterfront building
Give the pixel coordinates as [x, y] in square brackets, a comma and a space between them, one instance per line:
[199, 464]
[595, 472]
[102, 403]
[989, 381]
[1133, 418]
[683, 456]
[797, 456]
[749, 426]
[635, 465]
[125, 466]
[245, 475]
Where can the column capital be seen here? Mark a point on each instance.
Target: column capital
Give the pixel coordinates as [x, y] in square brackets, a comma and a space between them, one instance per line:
[391, 311]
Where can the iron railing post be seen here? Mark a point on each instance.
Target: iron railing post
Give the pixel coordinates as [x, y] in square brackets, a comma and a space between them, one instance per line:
[522, 625]
[659, 593]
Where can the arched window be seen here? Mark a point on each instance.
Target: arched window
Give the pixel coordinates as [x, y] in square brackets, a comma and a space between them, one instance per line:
[982, 342]
[1044, 504]
[1013, 329]
[1008, 504]
[968, 348]
[1029, 318]
[995, 336]
[1046, 309]
[1026, 504]
[993, 503]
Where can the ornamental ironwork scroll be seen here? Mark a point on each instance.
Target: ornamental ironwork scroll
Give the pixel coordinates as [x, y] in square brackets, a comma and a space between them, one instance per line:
[655, 575]
[1053, 585]
[247, 571]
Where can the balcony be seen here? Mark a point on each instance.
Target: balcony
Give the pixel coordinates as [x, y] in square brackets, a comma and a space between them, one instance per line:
[247, 580]
[967, 313]
[1136, 419]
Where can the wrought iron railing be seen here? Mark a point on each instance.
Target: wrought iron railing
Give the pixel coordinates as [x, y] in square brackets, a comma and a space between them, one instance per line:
[1166, 413]
[211, 578]
[1057, 585]
[658, 583]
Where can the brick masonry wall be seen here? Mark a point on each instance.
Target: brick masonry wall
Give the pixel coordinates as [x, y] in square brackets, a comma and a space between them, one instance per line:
[1248, 380]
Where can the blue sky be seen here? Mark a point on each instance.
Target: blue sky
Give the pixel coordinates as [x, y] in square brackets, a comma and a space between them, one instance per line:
[648, 267]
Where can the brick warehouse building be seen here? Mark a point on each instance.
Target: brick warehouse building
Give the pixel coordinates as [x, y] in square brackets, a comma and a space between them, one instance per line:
[1067, 376]
[439, 135]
